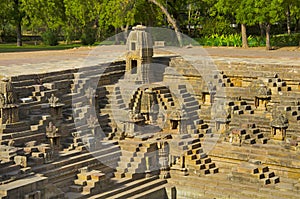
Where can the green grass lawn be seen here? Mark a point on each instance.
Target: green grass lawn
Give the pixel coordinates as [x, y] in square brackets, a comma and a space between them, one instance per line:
[30, 47]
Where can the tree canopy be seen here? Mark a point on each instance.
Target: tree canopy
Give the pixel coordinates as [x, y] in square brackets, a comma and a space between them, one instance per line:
[93, 20]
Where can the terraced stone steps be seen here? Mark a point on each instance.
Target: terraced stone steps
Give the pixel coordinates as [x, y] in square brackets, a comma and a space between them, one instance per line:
[164, 97]
[77, 157]
[132, 163]
[191, 106]
[131, 189]
[205, 187]
[112, 110]
[268, 154]
[196, 160]
[255, 173]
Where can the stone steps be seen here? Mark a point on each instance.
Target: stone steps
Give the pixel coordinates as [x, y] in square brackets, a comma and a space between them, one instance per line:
[129, 190]
[155, 192]
[75, 158]
[20, 141]
[206, 186]
[107, 159]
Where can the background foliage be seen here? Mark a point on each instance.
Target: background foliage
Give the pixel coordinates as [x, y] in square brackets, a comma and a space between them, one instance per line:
[212, 22]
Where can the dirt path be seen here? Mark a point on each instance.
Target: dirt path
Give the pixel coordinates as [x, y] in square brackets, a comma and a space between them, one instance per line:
[17, 58]
[82, 52]
[44, 61]
[286, 53]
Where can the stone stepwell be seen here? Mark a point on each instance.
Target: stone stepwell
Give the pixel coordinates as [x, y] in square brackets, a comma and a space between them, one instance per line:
[130, 130]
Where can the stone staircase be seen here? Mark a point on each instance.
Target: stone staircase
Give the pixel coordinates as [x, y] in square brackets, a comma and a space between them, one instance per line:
[16, 132]
[164, 97]
[196, 160]
[205, 187]
[277, 84]
[135, 101]
[247, 134]
[39, 93]
[255, 173]
[221, 79]
[241, 107]
[191, 106]
[62, 172]
[89, 182]
[112, 111]
[151, 187]
[133, 160]
[292, 112]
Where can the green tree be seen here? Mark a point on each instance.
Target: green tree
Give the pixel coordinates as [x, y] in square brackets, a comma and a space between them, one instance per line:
[118, 13]
[81, 18]
[11, 13]
[49, 14]
[170, 19]
[46, 15]
[268, 12]
[121, 14]
[4, 20]
[295, 10]
[17, 16]
[196, 14]
[250, 12]
[241, 11]
[292, 11]
[245, 16]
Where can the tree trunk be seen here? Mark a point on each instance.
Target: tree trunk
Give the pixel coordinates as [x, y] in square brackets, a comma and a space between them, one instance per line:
[125, 32]
[117, 40]
[297, 25]
[244, 36]
[268, 42]
[189, 19]
[170, 20]
[261, 27]
[18, 20]
[19, 33]
[288, 19]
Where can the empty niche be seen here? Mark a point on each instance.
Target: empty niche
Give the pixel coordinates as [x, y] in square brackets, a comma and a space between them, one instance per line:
[133, 66]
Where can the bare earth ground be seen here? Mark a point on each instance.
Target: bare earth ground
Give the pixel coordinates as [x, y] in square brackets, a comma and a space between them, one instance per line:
[43, 61]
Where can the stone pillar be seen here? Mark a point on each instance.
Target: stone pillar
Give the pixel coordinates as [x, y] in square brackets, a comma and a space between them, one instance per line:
[163, 153]
[9, 113]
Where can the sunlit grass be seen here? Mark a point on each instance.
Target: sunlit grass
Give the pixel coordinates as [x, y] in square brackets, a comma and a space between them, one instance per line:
[31, 47]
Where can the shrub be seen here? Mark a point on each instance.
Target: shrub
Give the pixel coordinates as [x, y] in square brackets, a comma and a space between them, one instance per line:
[8, 33]
[285, 40]
[88, 37]
[221, 40]
[253, 41]
[50, 38]
[256, 41]
[219, 26]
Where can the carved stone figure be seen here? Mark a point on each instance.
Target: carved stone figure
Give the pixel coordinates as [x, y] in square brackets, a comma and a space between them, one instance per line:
[92, 122]
[8, 108]
[90, 94]
[53, 100]
[51, 129]
[7, 91]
